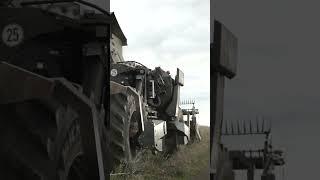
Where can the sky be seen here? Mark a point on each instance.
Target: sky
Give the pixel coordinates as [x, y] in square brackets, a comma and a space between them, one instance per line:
[171, 34]
[278, 75]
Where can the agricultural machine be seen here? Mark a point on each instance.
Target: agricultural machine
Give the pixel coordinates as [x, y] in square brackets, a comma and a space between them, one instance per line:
[71, 107]
[145, 111]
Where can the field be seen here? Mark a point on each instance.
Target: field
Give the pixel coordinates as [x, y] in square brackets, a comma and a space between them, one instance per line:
[189, 162]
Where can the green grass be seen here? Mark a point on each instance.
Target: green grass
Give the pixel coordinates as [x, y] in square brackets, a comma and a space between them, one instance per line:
[188, 162]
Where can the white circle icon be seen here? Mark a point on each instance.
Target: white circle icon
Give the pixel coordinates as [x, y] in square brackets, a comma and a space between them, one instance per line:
[12, 35]
[114, 72]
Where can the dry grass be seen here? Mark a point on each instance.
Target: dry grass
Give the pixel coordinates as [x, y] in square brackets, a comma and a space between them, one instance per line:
[188, 162]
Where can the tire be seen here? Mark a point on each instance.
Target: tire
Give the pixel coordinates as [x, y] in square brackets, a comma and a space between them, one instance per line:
[41, 144]
[26, 129]
[68, 147]
[122, 119]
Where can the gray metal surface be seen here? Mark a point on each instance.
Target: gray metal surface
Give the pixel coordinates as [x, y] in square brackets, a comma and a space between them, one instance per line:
[180, 127]
[153, 135]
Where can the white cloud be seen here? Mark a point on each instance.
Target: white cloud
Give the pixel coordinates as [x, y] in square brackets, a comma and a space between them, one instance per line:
[171, 34]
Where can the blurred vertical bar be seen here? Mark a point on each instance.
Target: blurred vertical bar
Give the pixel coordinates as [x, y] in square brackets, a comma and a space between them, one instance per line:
[107, 103]
[216, 117]
[212, 119]
[223, 63]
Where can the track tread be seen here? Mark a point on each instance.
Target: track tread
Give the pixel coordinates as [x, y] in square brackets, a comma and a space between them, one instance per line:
[121, 109]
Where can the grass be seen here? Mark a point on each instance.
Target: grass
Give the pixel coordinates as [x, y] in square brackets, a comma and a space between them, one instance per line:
[188, 162]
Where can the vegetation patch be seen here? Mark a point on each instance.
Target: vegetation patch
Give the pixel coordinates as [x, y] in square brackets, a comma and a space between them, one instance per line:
[188, 162]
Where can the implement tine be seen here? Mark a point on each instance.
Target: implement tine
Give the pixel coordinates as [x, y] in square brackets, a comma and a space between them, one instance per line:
[257, 121]
[226, 128]
[251, 131]
[232, 130]
[262, 126]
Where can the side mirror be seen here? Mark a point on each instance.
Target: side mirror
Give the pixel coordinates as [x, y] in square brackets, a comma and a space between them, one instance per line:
[179, 77]
[225, 50]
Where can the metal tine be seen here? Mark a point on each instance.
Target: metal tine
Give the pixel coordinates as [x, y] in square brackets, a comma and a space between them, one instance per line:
[270, 142]
[226, 128]
[251, 131]
[257, 121]
[244, 127]
[270, 126]
[238, 127]
[262, 126]
[232, 130]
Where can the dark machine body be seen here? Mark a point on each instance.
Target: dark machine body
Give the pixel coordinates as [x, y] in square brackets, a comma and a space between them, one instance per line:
[53, 84]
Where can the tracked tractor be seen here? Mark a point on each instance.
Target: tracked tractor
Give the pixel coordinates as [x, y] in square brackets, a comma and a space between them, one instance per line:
[54, 59]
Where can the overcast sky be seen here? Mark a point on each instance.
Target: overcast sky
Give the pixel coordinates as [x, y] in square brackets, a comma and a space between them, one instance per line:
[278, 75]
[171, 34]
